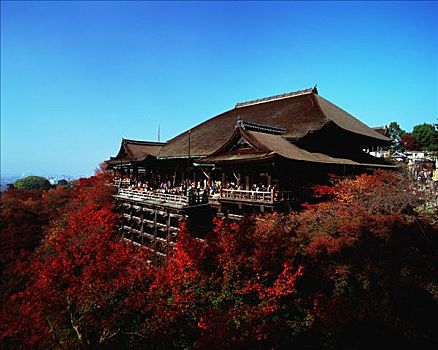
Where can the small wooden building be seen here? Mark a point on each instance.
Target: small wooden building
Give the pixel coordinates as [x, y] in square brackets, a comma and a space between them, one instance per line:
[136, 158]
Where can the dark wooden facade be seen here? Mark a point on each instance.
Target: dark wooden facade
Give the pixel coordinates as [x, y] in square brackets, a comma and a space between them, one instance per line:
[256, 157]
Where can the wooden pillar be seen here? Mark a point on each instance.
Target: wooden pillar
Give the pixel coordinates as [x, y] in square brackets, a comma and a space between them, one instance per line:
[130, 224]
[247, 182]
[121, 220]
[174, 178]
[142, 226]
[155, 230]
[168, 234]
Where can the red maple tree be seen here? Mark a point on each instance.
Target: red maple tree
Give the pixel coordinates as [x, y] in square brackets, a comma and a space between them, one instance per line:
[355, 270]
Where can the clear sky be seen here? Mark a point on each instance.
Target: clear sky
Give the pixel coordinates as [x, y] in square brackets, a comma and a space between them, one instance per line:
[76, 77]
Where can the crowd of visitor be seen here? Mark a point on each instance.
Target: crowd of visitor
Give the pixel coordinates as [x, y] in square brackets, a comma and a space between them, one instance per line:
[254, 188]
[188, 187]
[423, 171]
[185, 188]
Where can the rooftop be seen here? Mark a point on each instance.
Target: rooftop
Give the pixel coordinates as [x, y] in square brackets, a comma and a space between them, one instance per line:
[299, 114]
[277, 97]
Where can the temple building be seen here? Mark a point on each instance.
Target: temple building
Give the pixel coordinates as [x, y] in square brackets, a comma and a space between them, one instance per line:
[256, 157]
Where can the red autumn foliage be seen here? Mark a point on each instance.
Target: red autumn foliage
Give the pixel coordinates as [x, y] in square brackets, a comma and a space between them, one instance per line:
[79, 279]
[409, 143]
[359, 245]
[357, 270]
[216, 294]
[22, 217]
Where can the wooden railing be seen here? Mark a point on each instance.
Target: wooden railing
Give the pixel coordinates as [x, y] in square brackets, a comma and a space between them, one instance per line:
[283, 196]
[268, 197]
[121, 183]
[247, 196]
[153, 197]
[160, 198]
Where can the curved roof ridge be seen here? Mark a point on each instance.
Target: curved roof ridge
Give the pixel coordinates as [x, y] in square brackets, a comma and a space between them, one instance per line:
[238, 132]
[277, 97]
[245, 125]
[141, 142]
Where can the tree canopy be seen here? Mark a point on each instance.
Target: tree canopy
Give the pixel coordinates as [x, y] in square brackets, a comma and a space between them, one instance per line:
[423, 137]
[427, 136]
[409, 143]
[62, 182]
[395, 132]
[32, 183]
[356, 270]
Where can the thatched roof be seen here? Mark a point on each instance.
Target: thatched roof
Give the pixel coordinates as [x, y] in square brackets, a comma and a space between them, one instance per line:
[266, 144]
[299, 113]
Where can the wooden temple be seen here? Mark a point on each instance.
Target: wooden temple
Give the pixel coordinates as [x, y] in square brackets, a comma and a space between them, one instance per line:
[256, 157]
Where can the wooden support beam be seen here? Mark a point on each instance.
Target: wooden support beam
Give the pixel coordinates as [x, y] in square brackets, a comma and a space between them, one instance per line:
[130, 221]
[142, 226]
[168, 233]
[155, 229]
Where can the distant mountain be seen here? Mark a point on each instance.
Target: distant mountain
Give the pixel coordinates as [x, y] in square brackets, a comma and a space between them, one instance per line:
[5, 180]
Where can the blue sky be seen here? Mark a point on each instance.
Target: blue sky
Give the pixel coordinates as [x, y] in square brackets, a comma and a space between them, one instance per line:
[76, 77]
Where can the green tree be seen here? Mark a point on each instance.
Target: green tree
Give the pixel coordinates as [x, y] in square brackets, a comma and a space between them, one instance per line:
[427, 136]
[32, 182]
[62, 182]
[395, 132]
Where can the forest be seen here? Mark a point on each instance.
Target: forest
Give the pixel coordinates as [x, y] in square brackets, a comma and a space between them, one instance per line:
[356, 268]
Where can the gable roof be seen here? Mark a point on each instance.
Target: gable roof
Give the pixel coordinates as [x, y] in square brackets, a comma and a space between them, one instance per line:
[136, 151]
[299, 113]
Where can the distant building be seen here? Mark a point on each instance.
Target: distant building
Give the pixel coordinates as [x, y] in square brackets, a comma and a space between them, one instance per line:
[380, 151]
[398, 156]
